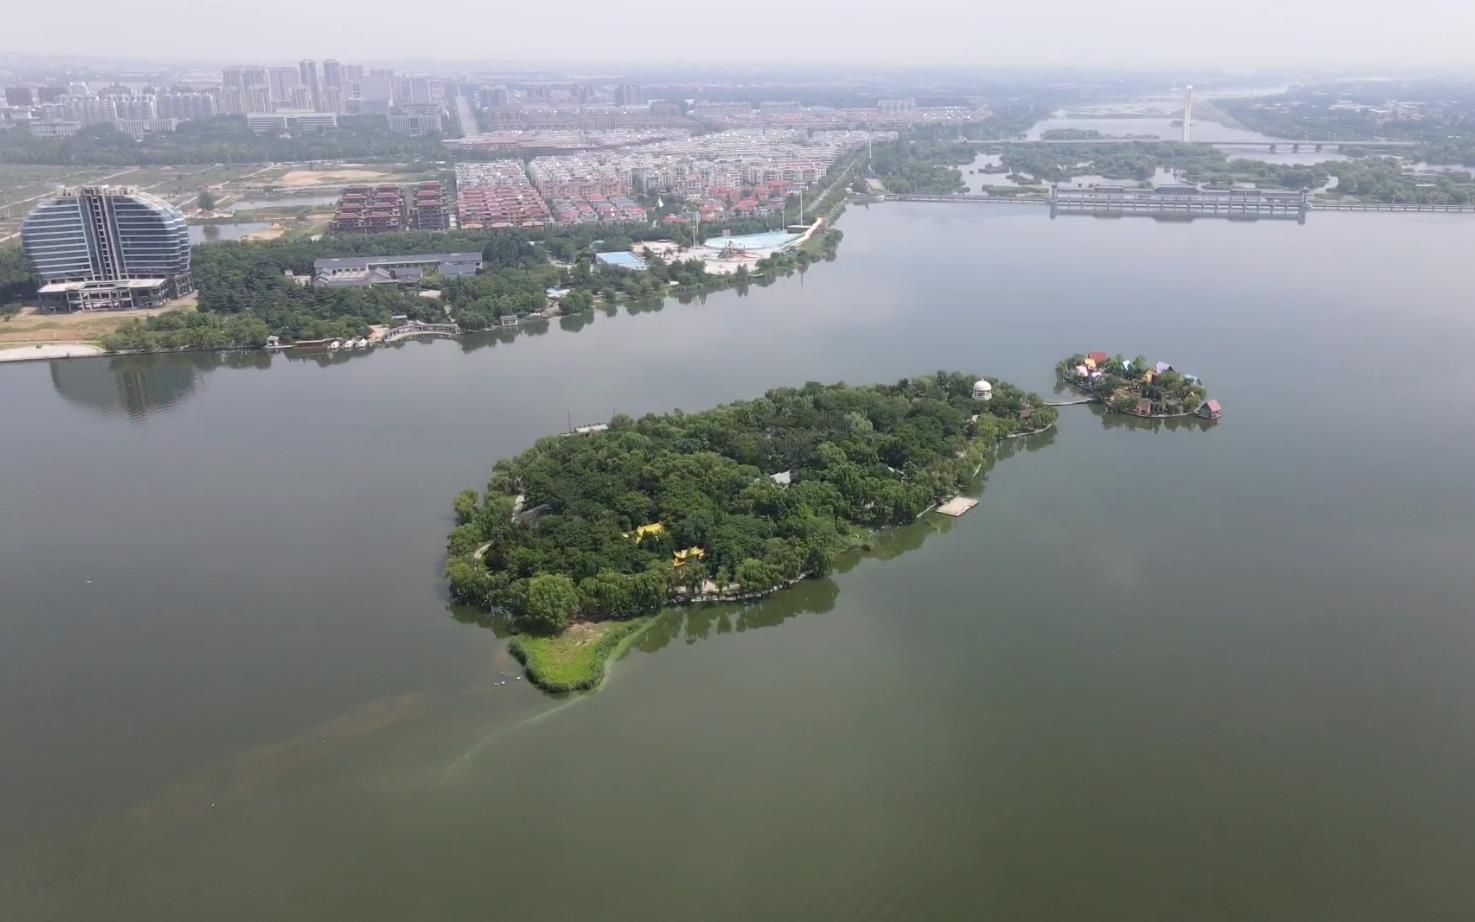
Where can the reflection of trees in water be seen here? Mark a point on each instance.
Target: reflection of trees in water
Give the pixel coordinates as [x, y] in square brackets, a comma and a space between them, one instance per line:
[496, 622]
[325, 358]
[1127, 421]
[700, 622]
[645, 306]
[142, 384]
[573, 323]
[487, 339]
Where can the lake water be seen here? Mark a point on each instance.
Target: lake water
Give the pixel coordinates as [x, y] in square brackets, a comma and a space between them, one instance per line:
[1159, 673]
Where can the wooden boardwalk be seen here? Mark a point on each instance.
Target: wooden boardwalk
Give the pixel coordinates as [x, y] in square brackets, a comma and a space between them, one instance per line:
[958, 505]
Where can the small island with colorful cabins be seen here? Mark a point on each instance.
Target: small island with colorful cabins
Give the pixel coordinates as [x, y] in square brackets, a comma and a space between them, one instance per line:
[1137, 387]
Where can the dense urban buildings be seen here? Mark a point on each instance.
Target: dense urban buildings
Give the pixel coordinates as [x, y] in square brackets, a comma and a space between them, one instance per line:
[498, 194]
[107, 247]
[281, 98]
[746, 173]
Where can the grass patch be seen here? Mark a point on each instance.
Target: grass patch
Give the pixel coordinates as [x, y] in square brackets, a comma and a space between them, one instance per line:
[575, 659]
[30, 326]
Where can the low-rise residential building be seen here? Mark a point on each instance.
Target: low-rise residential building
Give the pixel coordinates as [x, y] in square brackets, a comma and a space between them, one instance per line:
[407, 269]
[290, 120]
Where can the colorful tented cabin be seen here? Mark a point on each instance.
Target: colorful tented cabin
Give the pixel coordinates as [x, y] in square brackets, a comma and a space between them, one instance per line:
[1144, 407]
[1210, 409]
[1099, 358]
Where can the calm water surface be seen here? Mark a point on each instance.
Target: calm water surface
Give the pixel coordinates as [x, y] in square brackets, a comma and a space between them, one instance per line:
[219, 233]
[1158, 674]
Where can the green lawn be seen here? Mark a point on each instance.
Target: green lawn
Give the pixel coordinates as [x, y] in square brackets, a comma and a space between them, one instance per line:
[574, 660]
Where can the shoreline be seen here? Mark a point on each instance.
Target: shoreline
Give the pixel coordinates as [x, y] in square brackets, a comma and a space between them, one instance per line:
[48, 351]
[81, 349]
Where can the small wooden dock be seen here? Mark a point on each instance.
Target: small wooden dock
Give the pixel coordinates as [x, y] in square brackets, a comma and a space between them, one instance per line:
[956, 506]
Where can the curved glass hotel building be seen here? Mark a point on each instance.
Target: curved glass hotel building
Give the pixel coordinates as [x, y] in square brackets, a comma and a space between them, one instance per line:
[107, 248]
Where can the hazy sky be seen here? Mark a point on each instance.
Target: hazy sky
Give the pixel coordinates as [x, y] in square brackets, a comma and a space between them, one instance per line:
[1418, 35]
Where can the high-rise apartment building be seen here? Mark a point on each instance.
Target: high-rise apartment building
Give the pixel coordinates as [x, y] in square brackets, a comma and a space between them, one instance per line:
[373, 95]
[416, 91]
[92, 110]
[628, 94]
[334, 96]
[245, 89]
[107, 247]
[283, 79]
[307, 72]
[185, 106]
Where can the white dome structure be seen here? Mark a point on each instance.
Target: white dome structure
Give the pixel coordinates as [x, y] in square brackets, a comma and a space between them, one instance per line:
[982, 390]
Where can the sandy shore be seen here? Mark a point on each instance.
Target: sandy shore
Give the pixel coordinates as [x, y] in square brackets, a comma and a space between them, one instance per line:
[26, 353]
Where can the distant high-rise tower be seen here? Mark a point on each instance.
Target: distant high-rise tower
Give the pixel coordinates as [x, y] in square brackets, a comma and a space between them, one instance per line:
[1188, 114]
[308, 72]
[283, 79]
[333, 95]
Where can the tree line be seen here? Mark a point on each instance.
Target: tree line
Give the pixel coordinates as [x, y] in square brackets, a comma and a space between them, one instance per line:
[221, 139]
[240, 281]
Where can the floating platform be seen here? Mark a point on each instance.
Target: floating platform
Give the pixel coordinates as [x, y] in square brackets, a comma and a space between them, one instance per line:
[956, 506]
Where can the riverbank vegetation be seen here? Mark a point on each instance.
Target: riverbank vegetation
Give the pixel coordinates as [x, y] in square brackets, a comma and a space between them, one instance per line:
[1371, 179]
[912, 166]
[253, 282]
[734, 502]
[1386, 179]
[1133, 386]
[1139, 161]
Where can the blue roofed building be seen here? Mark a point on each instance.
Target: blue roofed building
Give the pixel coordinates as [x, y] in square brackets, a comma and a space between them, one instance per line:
[621, 260]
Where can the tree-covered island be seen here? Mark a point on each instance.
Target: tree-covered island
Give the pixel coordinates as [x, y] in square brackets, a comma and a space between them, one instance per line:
[1137, 387]
[584, 533]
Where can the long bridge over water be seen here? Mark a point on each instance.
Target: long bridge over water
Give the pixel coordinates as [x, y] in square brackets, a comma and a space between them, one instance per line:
[1268, 143]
